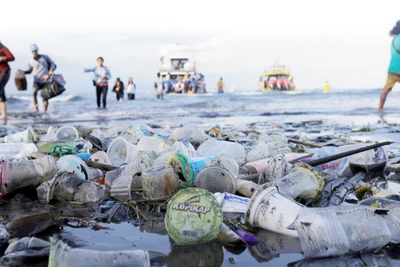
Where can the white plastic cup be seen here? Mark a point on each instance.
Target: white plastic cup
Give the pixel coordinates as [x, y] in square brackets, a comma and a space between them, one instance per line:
[273, 211]
[27, 136]
[66, 132]
[101, 157]
[121, 151]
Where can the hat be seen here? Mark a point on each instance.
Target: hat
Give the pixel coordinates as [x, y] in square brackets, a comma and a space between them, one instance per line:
[34, 47]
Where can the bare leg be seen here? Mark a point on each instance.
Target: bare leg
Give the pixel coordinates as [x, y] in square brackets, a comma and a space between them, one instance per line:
[46, 104]
[35, 92]
[3, 107]
[384, 94]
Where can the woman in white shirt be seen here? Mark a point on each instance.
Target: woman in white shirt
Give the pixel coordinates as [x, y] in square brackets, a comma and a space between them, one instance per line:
[131, 89]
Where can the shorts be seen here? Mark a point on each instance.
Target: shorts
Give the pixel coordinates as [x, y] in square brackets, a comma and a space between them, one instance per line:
[392, 79]
[4, 77]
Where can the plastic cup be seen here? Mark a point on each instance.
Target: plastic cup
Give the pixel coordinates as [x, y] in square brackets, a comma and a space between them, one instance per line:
[66, 132]
[121, 151]
[273, 211]
[27, 136]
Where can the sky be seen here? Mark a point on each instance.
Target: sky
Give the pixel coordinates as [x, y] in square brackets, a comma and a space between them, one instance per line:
[344, 42]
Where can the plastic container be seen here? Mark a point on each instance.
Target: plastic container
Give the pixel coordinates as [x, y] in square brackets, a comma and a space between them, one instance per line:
[67, 187]
[17, 150]
[303, 181]
[145, 160]
[216, 179]
[276, 169]
[101, 157]
[25, 173]
[338, 230]
[66, 132]
[191, 133]
[368, 233]
[216, 148]
[121, 151]
[61, 255]
[188, 167]
[260, 166]
[75, 165]
[231, 203]
[185, 147]
[149, 143]
[27, 243]
[27, 136]
[159, 183]
[278, 147]
[121, 188]
[227, 162]
[320, 233]
[273, 211]
[193, 217]
[246, 188]
[258, 153]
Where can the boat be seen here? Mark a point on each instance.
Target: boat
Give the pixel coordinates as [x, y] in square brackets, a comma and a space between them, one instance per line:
[178, 73]
[277, 78]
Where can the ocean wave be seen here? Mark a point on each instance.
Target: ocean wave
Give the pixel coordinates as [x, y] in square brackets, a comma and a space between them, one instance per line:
[68, 98]
[18, 99]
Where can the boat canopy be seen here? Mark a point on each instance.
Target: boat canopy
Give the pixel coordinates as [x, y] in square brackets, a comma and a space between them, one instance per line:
[277, 70]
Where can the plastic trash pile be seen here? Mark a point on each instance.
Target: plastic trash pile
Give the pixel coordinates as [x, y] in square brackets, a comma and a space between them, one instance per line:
[243, 188]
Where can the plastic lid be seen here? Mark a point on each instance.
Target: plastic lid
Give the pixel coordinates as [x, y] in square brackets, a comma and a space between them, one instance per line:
[193, 216]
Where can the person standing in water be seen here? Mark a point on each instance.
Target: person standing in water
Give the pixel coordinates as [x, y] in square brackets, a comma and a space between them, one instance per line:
[394, 67]
[102, 75]
[158, 88]
[42, 68]
[220, 86]
[5, 57]
[131, 89]
[327, 87]
[119, 90]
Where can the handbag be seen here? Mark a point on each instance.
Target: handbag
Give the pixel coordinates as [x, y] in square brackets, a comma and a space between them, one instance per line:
[52, 89]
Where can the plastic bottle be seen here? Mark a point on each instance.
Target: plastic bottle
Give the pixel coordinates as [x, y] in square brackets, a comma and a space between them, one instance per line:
[213, 147]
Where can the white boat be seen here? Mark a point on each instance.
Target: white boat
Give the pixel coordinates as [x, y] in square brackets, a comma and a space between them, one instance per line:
[178, 73]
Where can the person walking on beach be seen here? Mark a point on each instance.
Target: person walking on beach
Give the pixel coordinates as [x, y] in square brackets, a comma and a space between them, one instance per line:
[119, 89]
[42, 68]
[5, 57]
[220, 86]
[158, 88]
[131, 89]
[102, 75]
[394, 67]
